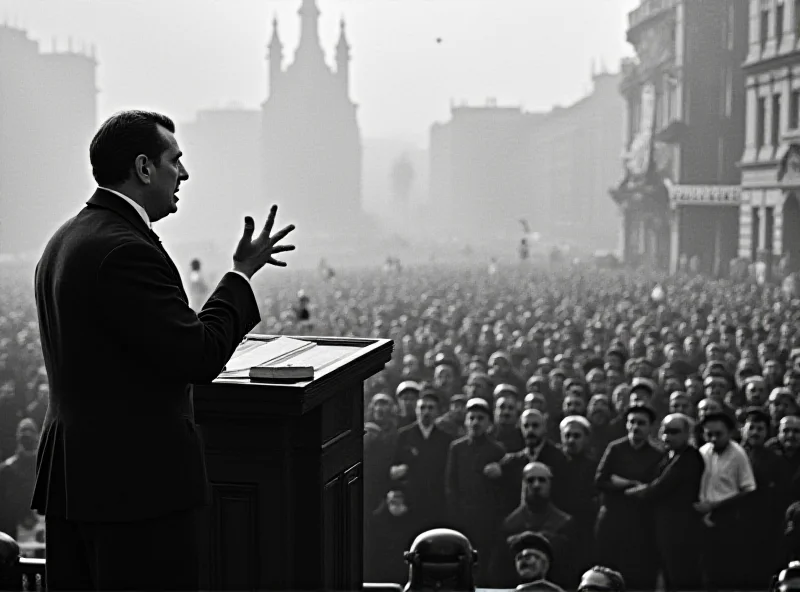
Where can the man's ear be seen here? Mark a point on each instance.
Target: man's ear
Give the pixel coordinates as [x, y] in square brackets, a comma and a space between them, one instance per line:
[141, 169]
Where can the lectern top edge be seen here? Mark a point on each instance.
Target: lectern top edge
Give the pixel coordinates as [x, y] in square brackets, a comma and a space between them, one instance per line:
[361, 348]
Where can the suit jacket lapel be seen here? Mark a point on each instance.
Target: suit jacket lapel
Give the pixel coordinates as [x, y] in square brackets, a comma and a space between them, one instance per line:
[157, 241]
[104, 199]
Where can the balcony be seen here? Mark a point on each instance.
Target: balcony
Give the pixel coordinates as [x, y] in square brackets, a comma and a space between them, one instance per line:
[648, 10]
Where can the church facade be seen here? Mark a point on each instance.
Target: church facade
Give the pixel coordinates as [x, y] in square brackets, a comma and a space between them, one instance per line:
[312, 148]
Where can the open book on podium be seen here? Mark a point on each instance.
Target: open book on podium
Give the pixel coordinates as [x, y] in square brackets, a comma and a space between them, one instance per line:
[273, 359]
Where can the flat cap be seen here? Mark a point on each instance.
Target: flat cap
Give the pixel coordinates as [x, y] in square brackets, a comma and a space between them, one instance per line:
[407, 385]
[530, 540]
[478, 404]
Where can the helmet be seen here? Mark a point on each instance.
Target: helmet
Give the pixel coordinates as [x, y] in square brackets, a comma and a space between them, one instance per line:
[441, 559]
[789, 579]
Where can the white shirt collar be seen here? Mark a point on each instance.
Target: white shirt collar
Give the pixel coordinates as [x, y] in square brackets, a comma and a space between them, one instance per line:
[426, 432]
[139, 209]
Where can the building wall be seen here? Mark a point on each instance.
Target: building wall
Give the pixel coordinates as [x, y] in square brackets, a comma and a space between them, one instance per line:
[491, 166]
[772, 90]
[479, 177]
[575, 159]
[48, 116]
[714, 106]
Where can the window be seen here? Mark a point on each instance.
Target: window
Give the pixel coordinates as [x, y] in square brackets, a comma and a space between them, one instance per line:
[779, 24]
[732, 25]
[764, 27]
[776, 119]
[725, 92]
[729, 92]
[797, 17]
[761, 117]
[794, 109]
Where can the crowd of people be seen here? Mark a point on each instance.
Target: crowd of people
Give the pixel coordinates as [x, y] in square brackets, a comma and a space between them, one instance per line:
[646, 424]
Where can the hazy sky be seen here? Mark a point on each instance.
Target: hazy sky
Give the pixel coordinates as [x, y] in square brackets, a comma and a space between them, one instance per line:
[178, 56]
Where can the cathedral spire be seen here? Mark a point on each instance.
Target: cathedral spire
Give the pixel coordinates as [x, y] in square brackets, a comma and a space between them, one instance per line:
[275, 56]
[309, 32]
[343, 57]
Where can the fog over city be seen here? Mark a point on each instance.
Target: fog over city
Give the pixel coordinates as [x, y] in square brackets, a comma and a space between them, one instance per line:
[205, 64]
[400, 295]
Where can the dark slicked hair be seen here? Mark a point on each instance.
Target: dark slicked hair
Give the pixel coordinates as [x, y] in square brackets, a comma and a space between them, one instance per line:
[123, 137]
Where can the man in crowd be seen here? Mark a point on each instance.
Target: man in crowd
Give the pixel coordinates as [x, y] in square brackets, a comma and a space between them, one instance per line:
[387, 535]
[506, 419]
[407, 395]
[625, 527]
[420, 462]
[727, 480]
[17, 476]
[578, 496]
[763, 509]
[535, 513]
[537, 449]
[471, 485]
[673, 495]
[533, 556]
[787, 446]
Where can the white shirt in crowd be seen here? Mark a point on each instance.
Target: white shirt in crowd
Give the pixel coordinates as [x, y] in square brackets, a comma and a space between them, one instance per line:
[727, 474]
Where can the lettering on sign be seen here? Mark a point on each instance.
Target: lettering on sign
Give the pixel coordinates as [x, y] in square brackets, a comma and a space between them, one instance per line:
[706, 194]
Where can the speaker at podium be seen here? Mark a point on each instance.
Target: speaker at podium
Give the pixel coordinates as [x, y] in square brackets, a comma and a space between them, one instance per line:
[285, 464]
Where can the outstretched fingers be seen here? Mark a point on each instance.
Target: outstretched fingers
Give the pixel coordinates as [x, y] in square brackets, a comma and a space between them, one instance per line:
[270, 220]
[275, 262]
[281, 233]
[282, 248]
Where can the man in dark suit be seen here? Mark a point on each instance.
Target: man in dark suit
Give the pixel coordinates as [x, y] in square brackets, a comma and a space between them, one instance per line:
[625, 526]
[673, 495]
[121, 476]
[421, 460]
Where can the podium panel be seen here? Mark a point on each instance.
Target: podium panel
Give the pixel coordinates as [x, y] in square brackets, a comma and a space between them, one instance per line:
[285, 466]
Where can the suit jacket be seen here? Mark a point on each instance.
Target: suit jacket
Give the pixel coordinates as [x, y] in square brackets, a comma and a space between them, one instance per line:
[675, 491]
[122, 347]
[427, 461]
[470, 494]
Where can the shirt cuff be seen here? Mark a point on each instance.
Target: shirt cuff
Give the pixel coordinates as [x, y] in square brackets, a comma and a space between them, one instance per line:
[247, 279]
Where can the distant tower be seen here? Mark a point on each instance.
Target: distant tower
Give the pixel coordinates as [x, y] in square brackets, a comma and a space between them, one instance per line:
[275, 57]
[343, 58]
[309, 47]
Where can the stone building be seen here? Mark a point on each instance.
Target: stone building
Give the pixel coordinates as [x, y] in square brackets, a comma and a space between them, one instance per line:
[770, 212]
[684, 133]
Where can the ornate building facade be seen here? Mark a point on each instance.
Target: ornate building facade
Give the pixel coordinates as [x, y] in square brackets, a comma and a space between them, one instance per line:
[312, 151]
[770, 211]
[684, 132]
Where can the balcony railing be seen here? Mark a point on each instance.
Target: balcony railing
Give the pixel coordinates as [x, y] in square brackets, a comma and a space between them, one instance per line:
[649, 9]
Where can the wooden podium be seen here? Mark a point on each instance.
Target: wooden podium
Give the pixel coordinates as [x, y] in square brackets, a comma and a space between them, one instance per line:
[285, 464]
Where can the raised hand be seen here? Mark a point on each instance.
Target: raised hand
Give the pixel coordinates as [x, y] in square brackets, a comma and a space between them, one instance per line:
[251, 255]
